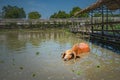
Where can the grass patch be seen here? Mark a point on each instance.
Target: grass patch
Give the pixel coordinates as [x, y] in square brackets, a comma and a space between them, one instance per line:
[1, 61]
[33, 75]
[73, 70]
[78, 72]
[111, 61]
[37, 53]
[98, 66]
[21, 68]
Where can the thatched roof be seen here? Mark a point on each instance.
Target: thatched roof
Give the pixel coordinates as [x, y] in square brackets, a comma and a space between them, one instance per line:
[110, 4]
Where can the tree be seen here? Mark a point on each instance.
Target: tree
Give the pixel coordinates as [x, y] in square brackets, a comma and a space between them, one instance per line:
[97, 15]
[54, 15]
[13, 12]
[74, 10]
[63, 14]
[60, 14]
[0, 14]
[34, 15]
[77, 9]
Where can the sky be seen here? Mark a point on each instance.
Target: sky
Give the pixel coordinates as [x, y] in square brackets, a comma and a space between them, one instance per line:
[47, 7]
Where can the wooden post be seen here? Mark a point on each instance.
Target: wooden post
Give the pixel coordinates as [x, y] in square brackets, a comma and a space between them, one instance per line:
[92, 21]
[102, 20]
[107, 19]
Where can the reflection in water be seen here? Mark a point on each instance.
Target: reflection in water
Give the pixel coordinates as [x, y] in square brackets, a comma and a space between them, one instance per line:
[37, 55]
[18, 40]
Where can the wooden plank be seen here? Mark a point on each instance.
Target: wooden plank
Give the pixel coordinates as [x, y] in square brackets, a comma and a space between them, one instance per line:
[108, 37]
[107, 30]
[116, 22]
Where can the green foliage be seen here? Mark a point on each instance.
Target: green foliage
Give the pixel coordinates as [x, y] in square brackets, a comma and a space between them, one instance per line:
[1, 61]
[78, 72]
[1, 15]
[34, 15]
[11, 25]
[97, 14]
[77, 9]
[74, 10]
[84, 15]
[98, 66]
[109, 15]
[54, 15]
[118, 26]
[60, 14]
[63, 14]
[21, 68]
[33, 75]
[13, 12]
[37, 53]
[116, 15]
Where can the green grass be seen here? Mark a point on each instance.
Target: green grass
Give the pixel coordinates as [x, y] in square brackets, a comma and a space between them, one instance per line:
[1, 61]
[98, 66]
[116, 27]
[78, 72]
[33, 75]
[37, 53]
[21, 68]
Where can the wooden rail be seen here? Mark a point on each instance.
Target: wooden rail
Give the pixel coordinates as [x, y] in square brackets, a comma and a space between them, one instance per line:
[104, 23]
[45, 21]
[110, 35]
[107, 38]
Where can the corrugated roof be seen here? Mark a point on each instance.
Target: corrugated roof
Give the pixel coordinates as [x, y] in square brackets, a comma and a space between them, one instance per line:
[110, 4]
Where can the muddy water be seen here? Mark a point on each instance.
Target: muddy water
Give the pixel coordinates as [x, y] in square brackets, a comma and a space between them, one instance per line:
[36, 56]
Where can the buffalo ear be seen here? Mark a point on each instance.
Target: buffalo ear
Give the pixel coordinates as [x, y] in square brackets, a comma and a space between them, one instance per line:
[74, 55]
[63, 55]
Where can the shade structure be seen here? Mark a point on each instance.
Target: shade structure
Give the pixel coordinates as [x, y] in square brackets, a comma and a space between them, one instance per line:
[110, 4]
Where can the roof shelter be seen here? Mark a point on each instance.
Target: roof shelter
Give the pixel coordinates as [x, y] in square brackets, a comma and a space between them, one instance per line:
[103, 27]
[110, 4]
